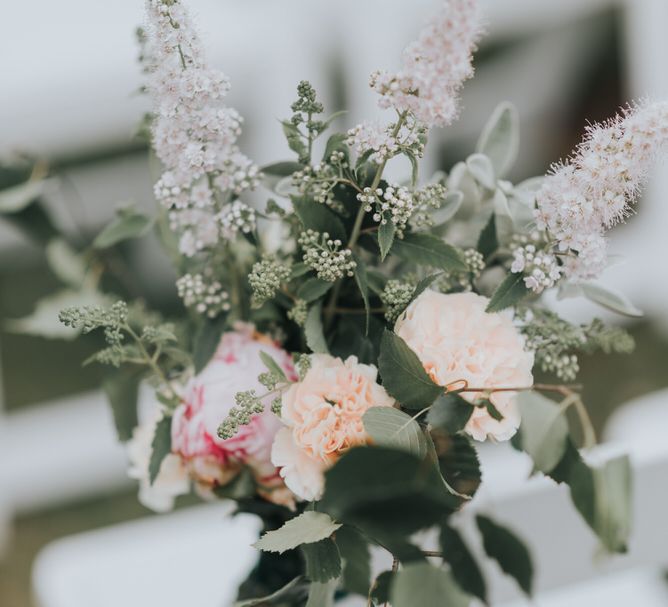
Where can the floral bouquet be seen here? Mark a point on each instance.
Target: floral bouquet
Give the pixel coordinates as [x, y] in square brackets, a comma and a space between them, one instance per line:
[347, 342]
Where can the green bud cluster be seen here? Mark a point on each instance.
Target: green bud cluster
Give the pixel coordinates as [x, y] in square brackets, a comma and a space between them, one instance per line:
[266, 278]
[89, 318]
[305, 107]
[298, 312]
[248, 404]
[396, 295]
[325, 256]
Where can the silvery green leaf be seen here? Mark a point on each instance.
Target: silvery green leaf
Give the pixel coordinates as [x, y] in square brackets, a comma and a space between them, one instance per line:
[390, 427]
[449, 208]
[505, 226]
[284, 187]
[18, 197]
[127, 224]
[608, 298]
[480, 166]
[544, 430]
[272, 174]
[568, 290]
[307, 528]
[461, 180]
[65, 262]
[500, 138]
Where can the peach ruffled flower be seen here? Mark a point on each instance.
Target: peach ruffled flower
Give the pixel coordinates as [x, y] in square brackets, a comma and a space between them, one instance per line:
[207, 400]
[323, 414]
[457, 341]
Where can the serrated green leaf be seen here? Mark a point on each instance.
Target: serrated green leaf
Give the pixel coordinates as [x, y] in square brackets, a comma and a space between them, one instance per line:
[122, 390]
[423, 285]
[294, 138]
[608, 298]
[403, 375]
[544, 430]
[313, 330]
[307, 528]
[511, 290]
[207, 340]
[386, 232]
[318, 217]
[508, 551]
[161, 446]
[423, 584]
[465, 569]
[390, 427]
[428, 250]
[323, 561]
[127, 224]
[499, 140]
[313, 289]
[488, 242]
[354, 550]
[450, 412]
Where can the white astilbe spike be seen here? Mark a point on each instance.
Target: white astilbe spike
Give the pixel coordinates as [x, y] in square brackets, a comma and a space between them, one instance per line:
[434, 66]
[596, 188]
[194, 133]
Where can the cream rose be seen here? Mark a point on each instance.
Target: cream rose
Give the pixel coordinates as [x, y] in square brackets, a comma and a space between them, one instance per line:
[456, 340]
[323, 414]
[207, 400]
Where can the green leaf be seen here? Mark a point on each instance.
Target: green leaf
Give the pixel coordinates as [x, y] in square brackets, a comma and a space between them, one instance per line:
[321, 595]
[128, 223]
[414, 168]
[323, 561]
[313, 289]
[458, 462]
[316, 216]
[307, 528]
[18, 197]
[294, 138]
[494, 413]
[450, 412]
[378, 489]
[354, 550]
[390, 427]
[544, 430]
[508, 293]
[499, 140]
[363, 286]
[386, 233]
[272, 365]
[161, 446]
[608, 298]
[403, 375]
[315, 336]
[122, 390]
[508, 551]
[207, 340]
[487, 241]
[428, 250]
[380, 592]
[66, 263]
[423, 584]
[482, 170]
[423, 285]
[273, 174]
[464, 567]
[336, 143]
[299, 269]
[294, 590]
[447, 210]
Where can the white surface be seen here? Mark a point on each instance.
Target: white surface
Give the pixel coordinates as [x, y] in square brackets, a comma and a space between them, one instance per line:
[195, 557]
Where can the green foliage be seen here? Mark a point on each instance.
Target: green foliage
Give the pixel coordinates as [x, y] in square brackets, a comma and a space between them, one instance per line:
[161, 446]
[295, 590]
[313, 289]
[322, 559]
[390, 427]
[122, 390]
[321, 594]
[424, 584]
[307, 528]
[403, 375]
[313, 330]
[428, 250]
[127, 224]
[465, 569]
[508, 551]
[458, 462]
[450, 412]
[612, 300]
[508, 293]
[488, 242]
[206, 341]
[386, 232]
[319, 218]
[356, 557]
[499, 140]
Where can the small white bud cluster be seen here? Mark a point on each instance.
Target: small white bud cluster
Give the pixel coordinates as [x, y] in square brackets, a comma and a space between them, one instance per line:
[208, 298]
[541, 268]
[319, 181]
[395, 204]
[382, 143]
[395, 297]
[236, 217]
[565, 367]
[475, 260]
[266, 278]
[325, 256]
[427, 199]
[298, 312]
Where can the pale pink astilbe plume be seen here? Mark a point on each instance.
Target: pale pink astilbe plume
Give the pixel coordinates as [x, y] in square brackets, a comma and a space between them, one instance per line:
[434, 66]
[596, 188]
[194, 133]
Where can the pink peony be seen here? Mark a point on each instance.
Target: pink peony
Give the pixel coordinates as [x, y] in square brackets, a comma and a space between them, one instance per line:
[323, 414]
[207, 400]
[457, 341]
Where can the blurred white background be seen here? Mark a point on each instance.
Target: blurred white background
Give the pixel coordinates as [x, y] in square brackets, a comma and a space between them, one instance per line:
[69, 95]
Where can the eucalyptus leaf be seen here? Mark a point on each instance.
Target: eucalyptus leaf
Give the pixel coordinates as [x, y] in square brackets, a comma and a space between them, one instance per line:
[403, 375]
[611, 299]
[391, 427]
[307, 528]
[428, 250]
[447, 210]
[18, 197]
[500, 138]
